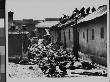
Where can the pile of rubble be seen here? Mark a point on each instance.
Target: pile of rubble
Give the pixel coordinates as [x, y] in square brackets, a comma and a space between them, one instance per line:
[58, 63]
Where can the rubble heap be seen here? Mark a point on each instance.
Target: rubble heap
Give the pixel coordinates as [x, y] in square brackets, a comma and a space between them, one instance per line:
[58, 62]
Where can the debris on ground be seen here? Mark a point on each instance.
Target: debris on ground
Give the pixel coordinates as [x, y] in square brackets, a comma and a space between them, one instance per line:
[58, 62]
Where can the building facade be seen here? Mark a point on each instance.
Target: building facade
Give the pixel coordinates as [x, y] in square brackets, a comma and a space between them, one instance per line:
[67, 37]
[90, 32]
[93, 37]
[43, 28]
[17, 43]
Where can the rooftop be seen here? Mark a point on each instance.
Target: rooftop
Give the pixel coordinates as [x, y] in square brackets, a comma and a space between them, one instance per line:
[98, 13]
[46, 24]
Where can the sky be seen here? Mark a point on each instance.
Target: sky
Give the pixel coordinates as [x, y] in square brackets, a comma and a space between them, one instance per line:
[40, 9]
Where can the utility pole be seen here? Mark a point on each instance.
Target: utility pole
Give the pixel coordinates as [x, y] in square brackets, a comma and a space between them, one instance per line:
[22, 32]
[76, 37]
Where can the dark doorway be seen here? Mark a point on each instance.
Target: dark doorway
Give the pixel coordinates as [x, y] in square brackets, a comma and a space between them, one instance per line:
[64, 41]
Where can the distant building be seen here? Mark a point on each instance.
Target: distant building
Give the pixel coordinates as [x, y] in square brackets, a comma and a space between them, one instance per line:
[43, 28]
[17, 43]
[28, 20]
[18, 32]
[52, 19]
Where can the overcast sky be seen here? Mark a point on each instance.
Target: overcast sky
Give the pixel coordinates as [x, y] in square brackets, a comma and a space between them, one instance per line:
[40, 9]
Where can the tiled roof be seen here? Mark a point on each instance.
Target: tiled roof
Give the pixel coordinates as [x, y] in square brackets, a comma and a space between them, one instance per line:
[98, 13]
